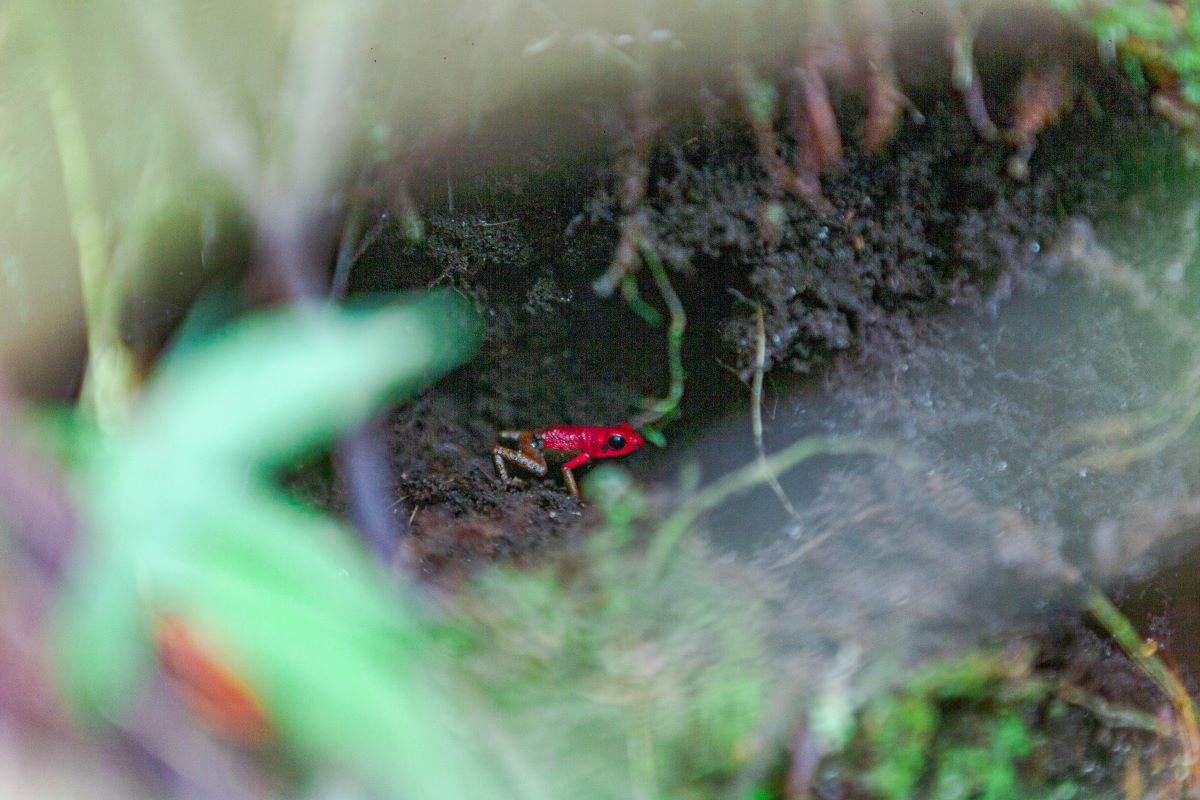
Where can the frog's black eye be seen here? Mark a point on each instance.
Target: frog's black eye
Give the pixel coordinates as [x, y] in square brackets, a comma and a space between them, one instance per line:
[616, 441]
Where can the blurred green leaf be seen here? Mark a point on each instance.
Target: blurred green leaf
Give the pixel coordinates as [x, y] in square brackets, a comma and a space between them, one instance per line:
[328, 370]
[182, 518]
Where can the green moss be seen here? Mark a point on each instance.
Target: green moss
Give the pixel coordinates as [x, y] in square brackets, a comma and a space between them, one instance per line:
[965, 728]
[619, 689]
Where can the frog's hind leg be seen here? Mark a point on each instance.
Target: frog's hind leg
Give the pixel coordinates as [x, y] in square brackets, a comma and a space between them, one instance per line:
[569, 475]
[535, 466]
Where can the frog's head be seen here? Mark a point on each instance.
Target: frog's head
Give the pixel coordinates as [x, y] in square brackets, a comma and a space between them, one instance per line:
[622, 439]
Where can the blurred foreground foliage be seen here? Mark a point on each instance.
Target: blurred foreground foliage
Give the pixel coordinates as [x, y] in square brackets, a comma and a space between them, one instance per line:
[1159, 36]
[591, 684]
[628, 690]
[536, 686]
[181, 517]
[988, 725]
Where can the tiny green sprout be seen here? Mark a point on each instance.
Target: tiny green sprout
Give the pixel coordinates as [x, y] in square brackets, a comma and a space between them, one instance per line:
[760, 100]
[608, 485]
[633, 298]
[414, 228]
[654, 436]
[613, 490]
[774, 214]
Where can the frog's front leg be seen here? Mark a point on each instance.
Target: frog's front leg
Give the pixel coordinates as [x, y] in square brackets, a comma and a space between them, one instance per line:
[528, 454]
[569, 477]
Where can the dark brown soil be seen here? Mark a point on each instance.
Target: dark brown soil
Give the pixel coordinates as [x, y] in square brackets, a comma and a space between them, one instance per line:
[932, 223]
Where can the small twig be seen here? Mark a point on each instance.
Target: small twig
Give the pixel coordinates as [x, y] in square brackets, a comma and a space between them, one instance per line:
[756, 424]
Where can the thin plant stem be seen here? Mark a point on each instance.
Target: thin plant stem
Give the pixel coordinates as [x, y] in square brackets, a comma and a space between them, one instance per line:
[756, 385]
[1123, 632]
[633, 299]
[109, 378]
[673, 529]
[667, 406]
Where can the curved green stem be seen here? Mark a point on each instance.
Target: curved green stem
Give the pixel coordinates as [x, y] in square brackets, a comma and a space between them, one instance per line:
[757, 472]
[664, 409]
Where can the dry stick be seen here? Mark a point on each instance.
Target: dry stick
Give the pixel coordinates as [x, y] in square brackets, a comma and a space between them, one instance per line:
[109, 377]
[676, 526]
[1119, 627]
[760, 363]
[228, 142]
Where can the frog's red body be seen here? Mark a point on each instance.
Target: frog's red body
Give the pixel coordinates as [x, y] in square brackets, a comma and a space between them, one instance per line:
[571, 446]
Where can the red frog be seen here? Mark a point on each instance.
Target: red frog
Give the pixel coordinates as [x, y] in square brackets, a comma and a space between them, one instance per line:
[569, 445]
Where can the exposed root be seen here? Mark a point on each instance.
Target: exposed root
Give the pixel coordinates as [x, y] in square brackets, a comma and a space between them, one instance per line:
[813, 123]
[633, 169]
[676, 526]
[661, 411]
[885, 101]
[760, 101]
[814, 129]
[760, 360]
[964, 74]
[1042, 98]
[854, 49]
